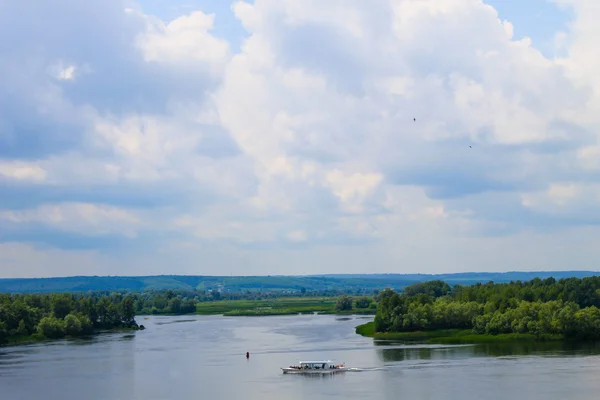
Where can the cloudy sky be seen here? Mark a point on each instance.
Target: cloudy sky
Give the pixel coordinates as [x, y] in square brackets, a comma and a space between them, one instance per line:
[298, 136]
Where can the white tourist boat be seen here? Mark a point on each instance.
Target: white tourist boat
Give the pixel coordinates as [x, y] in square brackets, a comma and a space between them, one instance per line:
[315, 367]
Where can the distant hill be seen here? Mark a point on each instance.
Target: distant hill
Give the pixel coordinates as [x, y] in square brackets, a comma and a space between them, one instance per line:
[265, 283]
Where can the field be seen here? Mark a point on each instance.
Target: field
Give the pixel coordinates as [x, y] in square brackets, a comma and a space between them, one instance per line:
[449, 336]
[280, 306]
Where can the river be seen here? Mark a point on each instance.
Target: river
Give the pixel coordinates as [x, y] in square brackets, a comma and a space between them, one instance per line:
[203, 357]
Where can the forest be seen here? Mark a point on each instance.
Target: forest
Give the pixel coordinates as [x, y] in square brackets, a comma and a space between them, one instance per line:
[568, 308]
[53, 316]
[348, 283]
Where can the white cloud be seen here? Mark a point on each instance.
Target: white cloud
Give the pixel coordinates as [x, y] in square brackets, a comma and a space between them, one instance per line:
[82, 218]
[183, 40]
[22, 171]
[352, 189]
[404, 135]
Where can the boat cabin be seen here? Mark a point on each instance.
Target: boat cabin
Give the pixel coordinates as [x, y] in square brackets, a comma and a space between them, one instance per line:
[317, 365]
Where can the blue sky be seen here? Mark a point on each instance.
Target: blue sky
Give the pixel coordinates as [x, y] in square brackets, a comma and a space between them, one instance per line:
[298, 137]
[538, 19]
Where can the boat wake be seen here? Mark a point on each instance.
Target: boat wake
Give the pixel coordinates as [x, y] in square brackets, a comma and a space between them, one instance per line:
[355, 369]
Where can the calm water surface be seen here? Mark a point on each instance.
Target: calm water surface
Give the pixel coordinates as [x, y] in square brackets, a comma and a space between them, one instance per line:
[204, 358]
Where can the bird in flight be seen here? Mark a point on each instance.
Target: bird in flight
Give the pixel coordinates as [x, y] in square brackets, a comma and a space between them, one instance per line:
[414, 119]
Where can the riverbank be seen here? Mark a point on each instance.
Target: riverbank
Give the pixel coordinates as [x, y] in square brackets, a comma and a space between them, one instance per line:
[20, 340]
[450, 336]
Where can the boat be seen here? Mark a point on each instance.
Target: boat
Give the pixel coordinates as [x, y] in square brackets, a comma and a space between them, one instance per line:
[315, 367]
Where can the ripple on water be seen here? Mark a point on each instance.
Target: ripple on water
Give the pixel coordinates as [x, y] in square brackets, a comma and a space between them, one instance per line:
[172, 359]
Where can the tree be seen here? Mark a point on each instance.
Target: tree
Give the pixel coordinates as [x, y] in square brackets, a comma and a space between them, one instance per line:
[3, 333]
[86, 324]
[175, 305]
[22, 330]
[160, 301]
[51, 327]
[385, 293]
[344, 303]
[436, 288]
[127, 311]
[61, 305]
[113, 316]
[188, 306]
[72, 325]
[363, 302]
[102, 309]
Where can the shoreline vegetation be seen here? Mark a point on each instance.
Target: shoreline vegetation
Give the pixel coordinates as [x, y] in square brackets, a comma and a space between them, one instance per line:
[34, 318]
[430, 312]
[37, 338]
[537, 310]
[449, 336]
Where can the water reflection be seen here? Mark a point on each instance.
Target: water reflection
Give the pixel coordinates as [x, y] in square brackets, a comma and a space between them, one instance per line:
[414, 353]
[316, 376]
[546, 349]
[177, 321]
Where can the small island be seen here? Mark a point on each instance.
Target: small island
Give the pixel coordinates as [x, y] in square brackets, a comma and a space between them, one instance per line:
[434, 312]
[37, 317]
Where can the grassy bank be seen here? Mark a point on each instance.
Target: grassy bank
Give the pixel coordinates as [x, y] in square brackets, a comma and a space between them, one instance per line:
[18, 340]
[449, 336]
[355, 311]
[21, 340]
[280, 306]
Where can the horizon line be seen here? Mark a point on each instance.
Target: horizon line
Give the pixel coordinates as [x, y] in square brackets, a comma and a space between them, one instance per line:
[309, 275]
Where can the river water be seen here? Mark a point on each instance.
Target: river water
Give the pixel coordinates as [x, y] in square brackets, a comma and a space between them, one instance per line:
[203, 357]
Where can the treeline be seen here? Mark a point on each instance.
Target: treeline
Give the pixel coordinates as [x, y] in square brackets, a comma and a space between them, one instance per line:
[58, 315]
[568, 307]
[346, 303]
[177, 302]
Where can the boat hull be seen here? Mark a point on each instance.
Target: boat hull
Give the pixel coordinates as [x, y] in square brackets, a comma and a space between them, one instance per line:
[313, 371]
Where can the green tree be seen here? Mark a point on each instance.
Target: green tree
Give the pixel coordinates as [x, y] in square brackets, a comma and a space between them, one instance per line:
[127, 311]
[51, 327]
[87, 326]
[188, 306]
[61, 305]
[363, 302]
[175, 305]
[113, 316]
[435, 288]
[72, 325]
[102, 311]
[3, 333]
[344, 303]
[22, 330]
[160, 301]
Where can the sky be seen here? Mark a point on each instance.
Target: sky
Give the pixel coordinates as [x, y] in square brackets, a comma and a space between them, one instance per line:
[298, 136]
